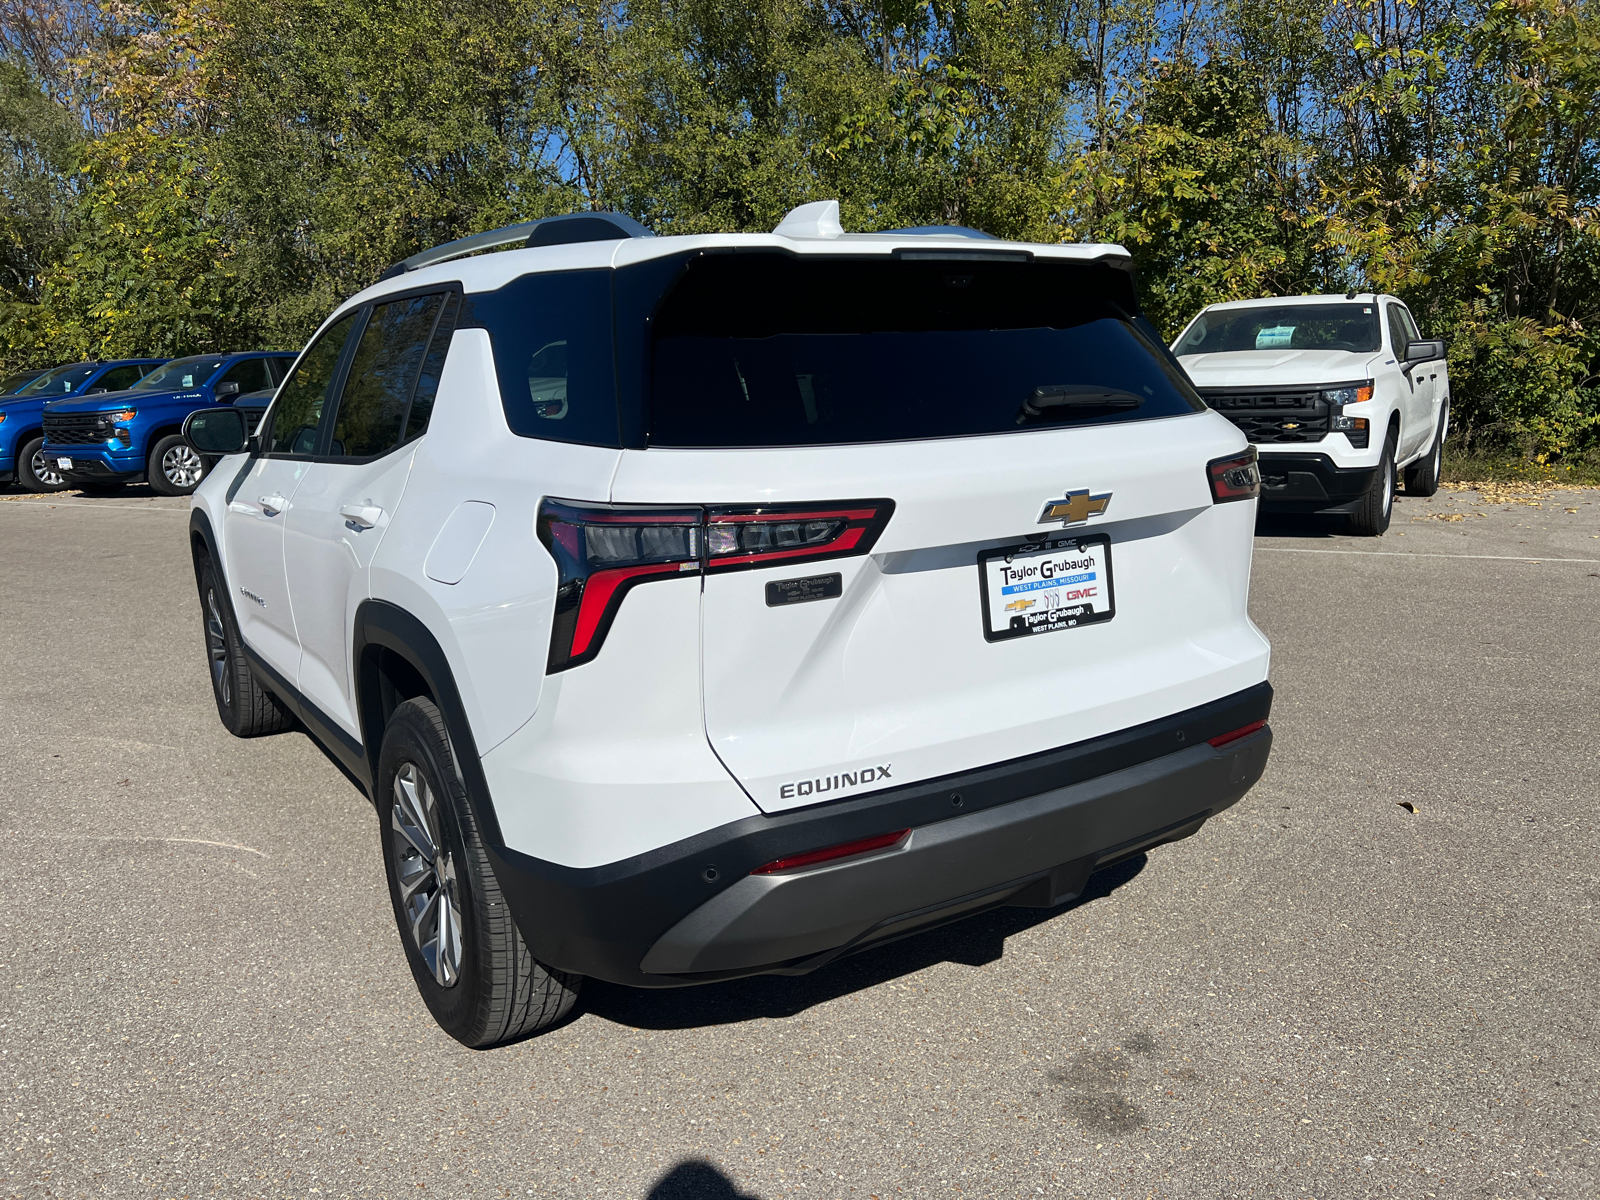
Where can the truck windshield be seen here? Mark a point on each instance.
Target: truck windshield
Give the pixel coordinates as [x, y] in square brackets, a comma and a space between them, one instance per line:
[180, 373]
[63, 381]
[1352, 326]
[770, 350]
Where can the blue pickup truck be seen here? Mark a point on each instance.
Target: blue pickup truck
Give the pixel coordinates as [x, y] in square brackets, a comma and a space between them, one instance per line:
[22, 406]
[99, 441]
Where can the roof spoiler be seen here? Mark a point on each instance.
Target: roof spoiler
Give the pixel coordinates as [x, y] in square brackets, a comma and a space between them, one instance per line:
[820, 219]
[547, 231]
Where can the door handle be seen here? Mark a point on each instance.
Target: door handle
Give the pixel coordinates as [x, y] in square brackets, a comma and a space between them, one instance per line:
[272, 505]
[364, 516]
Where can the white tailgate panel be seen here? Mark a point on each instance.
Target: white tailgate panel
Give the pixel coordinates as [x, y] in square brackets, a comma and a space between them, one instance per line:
[896, 673]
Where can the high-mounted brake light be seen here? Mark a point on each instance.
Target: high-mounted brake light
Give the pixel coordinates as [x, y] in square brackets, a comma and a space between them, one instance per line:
[812, 858]
[603, 550]
[1236, 477]
[1243, 731]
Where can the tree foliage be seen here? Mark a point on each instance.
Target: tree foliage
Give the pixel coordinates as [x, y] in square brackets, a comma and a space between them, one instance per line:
[179, 175]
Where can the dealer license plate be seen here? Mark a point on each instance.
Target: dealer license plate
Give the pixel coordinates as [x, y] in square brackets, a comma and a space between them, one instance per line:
[64, 463]
[1058, 582]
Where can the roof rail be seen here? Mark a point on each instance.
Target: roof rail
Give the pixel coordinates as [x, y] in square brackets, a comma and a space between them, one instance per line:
[547, 231]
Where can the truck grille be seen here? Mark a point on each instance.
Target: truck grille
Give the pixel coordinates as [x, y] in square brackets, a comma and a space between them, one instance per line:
[76, 429]
[1272, 416]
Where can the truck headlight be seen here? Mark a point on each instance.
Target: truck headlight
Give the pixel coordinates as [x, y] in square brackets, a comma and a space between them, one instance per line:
[1355, 428]
[1354, 394]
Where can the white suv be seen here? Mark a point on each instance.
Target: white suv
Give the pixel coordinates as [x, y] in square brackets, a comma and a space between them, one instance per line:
[698, 607]
[1335, 391]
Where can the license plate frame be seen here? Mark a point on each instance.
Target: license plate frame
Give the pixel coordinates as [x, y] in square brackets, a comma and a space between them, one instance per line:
[1068, 599]
[63, 464]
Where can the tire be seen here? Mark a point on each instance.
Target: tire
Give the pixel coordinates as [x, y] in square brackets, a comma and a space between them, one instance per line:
[175, 467]
[467, 956]
[34, 472]
[247, 709]
[1377, 504]
[1422, 478]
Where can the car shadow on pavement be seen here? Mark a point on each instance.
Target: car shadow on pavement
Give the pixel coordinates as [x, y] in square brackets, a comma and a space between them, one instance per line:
[973, 942]
[1296, 526]
[696, 1179]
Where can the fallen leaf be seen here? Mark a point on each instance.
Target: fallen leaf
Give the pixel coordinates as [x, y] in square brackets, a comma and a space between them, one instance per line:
[1407, 805]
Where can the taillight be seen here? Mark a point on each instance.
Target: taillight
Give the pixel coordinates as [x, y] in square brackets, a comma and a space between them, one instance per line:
[740, 538]
[811, 858]
[604, 550]
[1236, 477]
[601, 552]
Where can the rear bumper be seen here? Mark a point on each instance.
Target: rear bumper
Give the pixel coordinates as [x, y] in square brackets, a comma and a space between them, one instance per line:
[1311, 483]
[1028, 832]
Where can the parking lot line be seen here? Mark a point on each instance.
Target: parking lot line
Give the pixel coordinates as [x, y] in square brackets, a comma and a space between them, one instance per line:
[1527, 558]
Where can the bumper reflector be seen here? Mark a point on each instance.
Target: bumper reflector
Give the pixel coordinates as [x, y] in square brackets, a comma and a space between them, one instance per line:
[1242, 732]
[843, 850]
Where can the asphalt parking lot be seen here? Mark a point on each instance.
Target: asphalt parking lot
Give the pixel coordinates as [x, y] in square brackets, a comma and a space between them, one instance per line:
[1375, 976]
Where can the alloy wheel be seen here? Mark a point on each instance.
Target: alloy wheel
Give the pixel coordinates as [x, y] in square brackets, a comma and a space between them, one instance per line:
[182, 466]
[217, 644]
[1388, 490]
[425, 872]
[44, 472]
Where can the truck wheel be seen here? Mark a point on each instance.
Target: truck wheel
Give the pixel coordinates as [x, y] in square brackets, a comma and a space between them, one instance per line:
[466, 953]
[35, 471]
[1422, 478]
[247, 709]
[176, 468]
[1377, 504]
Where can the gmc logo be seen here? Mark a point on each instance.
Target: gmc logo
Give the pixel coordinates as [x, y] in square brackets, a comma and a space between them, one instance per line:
[816, 787]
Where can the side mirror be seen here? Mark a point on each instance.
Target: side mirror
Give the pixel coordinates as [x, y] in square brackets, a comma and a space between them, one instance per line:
[1424, 351]
[227, 389]
[216, 431]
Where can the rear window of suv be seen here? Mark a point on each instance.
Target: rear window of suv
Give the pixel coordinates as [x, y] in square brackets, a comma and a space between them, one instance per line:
[774, 350]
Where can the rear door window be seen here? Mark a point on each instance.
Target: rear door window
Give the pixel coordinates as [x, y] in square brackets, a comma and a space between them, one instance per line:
[249, 373]
[432, 368]
[768, 350]
[384, 372]
[297, 408]
[118, 378]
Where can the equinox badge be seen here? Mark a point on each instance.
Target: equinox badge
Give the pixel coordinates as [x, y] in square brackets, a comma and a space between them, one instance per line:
[1075, 507]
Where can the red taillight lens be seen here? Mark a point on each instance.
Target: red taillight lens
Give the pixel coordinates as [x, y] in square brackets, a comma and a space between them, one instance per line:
[811, 858]
[1243, 731]
[603, 550]
[740, 538]
[1236, 477]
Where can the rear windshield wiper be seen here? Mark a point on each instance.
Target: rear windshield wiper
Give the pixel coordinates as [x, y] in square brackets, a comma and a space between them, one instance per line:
[1075, 396]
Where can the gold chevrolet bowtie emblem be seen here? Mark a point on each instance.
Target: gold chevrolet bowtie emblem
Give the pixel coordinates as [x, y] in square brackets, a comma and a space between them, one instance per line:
[1075, 507]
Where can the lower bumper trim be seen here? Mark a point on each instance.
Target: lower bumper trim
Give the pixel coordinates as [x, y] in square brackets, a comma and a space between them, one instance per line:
[1037, 852]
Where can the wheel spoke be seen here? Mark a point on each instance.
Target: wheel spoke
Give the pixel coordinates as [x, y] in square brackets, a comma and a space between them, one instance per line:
[425, 931]
[410, 811]
[414, 874]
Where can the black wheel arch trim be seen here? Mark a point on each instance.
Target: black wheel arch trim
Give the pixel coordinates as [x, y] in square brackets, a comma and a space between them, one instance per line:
[380, 624]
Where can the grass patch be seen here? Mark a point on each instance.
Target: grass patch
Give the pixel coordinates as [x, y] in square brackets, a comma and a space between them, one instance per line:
[1471, 466]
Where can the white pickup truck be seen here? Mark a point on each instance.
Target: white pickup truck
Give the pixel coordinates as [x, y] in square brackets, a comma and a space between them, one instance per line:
[1335, 392]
